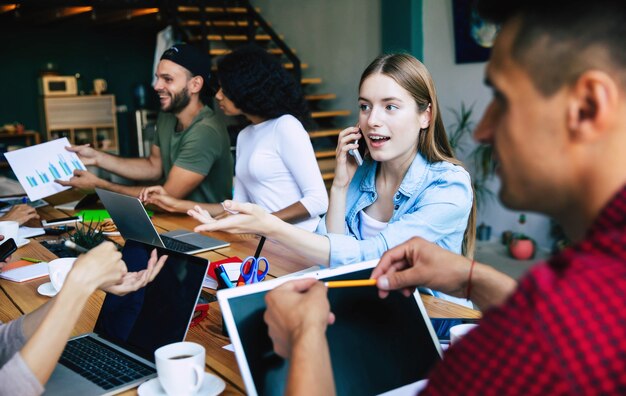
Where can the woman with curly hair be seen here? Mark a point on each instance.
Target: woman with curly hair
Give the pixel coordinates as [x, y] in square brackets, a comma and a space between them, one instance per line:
[275, 163]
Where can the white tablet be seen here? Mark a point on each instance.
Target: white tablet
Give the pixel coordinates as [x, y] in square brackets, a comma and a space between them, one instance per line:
[376, 345]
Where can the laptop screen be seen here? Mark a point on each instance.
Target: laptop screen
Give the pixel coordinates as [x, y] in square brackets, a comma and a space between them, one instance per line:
[375, 344]
[158, 314]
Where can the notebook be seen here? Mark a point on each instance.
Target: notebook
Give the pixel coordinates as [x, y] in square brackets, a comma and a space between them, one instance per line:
[376, 345]
[119, 354]
[22, 271]
[133, 222]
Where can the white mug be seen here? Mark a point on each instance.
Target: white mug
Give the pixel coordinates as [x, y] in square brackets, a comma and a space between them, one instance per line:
[457, 332]
[9, 229]
[58, 270]
[180, 367]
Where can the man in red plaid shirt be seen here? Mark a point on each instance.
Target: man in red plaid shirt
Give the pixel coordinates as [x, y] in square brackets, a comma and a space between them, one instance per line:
[557, 122]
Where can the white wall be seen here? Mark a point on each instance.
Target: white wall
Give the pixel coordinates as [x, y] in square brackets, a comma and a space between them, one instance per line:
[337, 38]
[464, 83]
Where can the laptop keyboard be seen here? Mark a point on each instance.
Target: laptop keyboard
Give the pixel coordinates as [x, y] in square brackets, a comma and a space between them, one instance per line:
[178, 245]
[101, 364]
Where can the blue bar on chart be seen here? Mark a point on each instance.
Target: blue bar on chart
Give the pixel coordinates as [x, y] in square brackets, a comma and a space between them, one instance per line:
[54, 171]
[64, 166]
[31, 180]
[44, 178]
[77, 164]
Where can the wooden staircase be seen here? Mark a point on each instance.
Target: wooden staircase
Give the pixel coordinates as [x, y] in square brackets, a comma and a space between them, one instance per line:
[228, 24]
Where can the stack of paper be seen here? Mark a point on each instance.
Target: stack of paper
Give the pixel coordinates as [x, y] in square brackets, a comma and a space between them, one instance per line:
[29, 232]
[22, 271]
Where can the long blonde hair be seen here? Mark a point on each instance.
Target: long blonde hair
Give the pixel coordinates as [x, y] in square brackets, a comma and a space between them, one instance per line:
[412, 75]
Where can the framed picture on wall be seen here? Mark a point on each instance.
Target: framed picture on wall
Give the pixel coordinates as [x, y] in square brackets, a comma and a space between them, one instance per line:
[473, 37]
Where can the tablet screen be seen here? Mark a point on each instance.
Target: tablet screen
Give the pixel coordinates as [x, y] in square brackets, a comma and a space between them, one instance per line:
[375, 345]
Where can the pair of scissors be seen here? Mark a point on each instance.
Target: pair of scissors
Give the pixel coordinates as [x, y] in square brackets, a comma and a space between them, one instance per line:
[250, 271]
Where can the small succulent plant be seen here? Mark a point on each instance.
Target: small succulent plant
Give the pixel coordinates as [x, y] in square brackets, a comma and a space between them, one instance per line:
[87, 235]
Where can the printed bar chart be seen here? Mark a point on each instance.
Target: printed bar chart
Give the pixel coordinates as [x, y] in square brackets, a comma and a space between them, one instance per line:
[38, 167]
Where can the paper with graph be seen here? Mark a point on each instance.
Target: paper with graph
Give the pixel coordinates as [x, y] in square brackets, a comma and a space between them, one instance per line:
[37, 167]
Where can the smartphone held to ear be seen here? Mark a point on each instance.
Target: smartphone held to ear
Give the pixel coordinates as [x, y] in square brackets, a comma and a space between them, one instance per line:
[357, 156]
[7, 248]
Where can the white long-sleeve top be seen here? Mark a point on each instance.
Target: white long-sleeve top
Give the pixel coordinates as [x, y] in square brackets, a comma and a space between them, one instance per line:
[276, 167]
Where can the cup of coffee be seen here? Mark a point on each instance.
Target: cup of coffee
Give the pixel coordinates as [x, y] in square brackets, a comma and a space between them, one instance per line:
[9, 229]
[180, 367]
[58, 270]
[457, 332]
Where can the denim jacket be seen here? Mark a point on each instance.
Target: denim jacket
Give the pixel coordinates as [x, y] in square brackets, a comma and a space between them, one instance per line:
[433, 201]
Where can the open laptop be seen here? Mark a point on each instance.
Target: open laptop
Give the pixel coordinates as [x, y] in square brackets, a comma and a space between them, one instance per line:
[133, 222]
[119, 354]
[376, 345]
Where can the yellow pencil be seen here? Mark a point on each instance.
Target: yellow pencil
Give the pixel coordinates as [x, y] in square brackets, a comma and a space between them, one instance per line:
[351, 283]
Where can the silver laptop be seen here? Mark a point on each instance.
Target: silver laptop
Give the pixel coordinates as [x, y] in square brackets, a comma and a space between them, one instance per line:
[376, 345]
[119, 354]
[133, 222]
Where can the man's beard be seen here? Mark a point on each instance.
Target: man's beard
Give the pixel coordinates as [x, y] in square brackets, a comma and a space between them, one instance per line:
[179, 102]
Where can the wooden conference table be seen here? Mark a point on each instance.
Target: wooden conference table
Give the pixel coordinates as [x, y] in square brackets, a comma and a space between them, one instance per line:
[20, 298]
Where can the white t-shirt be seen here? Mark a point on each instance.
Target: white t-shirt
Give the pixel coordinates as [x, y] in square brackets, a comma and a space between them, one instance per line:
[276, 167]
[369, 226]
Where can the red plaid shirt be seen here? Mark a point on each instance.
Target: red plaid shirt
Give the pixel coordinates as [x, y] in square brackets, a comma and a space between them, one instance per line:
[563, 331]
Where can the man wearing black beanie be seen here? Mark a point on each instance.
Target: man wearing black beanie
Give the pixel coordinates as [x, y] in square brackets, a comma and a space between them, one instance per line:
[191, 149]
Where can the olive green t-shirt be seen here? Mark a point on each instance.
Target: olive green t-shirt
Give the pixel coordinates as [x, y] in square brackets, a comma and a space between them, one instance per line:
[204, 148]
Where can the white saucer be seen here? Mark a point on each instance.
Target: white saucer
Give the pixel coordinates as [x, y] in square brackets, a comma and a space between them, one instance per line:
[22, 242]
[47, 289]
[212, 385]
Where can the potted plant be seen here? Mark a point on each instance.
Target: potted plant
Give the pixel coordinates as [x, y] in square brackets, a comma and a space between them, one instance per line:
[87, 235]
[522, 247]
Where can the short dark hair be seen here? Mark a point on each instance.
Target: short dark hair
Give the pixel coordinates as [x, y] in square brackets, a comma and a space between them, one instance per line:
[558, 40]
[258, 84]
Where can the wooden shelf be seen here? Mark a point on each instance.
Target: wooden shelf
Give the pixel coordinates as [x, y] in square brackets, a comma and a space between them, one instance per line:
[29, 138]
[82, 119]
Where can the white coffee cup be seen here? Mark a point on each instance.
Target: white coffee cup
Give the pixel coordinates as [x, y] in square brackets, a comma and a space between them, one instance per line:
[58, 270]
[180, 367]
[457, 332]
[9, 229]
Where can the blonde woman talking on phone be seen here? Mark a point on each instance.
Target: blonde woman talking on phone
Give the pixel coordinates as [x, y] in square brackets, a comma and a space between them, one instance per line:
[410, 183]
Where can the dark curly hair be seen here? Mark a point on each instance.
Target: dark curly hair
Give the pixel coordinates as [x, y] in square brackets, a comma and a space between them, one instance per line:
[259, 85]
